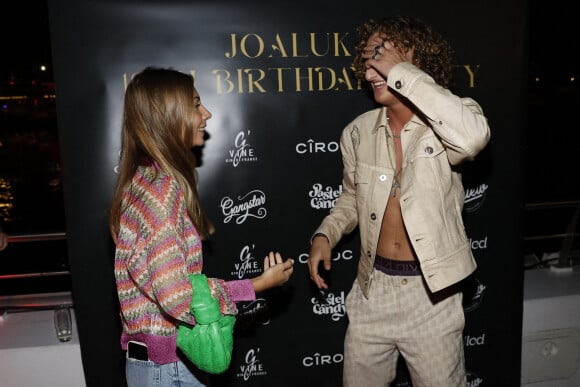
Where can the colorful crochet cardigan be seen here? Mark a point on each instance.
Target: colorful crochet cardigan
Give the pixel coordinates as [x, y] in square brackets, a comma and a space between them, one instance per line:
[156, 250]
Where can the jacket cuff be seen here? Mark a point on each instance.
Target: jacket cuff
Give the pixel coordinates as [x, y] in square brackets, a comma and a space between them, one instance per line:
[319, 234]
[403, 76]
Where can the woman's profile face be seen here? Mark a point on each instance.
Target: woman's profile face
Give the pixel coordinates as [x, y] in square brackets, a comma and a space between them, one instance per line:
[200, 117]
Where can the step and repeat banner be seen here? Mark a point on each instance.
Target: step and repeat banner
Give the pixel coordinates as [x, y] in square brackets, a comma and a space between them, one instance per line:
[277, 78]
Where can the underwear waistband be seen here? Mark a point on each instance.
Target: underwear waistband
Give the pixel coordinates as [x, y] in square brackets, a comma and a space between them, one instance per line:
[395, 267]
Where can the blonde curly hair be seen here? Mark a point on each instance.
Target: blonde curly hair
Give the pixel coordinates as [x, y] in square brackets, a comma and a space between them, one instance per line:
[432, 53]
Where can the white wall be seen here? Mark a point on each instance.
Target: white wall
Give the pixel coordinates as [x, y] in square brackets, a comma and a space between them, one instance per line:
[31, 355]
[551, 328]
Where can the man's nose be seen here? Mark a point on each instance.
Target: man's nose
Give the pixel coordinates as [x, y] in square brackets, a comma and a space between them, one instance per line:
[370, 73]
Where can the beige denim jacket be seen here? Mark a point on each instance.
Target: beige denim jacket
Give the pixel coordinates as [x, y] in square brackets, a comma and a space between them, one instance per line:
[432, 193]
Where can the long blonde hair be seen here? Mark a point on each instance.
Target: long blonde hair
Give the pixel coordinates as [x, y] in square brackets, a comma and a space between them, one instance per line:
[157, 125]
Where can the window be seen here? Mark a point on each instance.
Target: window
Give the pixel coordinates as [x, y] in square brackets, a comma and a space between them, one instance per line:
[31, 187]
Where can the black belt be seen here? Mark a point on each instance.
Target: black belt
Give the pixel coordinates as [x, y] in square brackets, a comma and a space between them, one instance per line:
[395, 267]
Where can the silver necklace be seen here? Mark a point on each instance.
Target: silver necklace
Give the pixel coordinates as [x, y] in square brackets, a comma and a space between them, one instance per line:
[397, 175]
[396, 183]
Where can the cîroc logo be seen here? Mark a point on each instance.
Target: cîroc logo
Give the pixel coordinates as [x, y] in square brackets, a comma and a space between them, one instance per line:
[345, 255]
[316, 147]
[247, 264]
[473, 380]
[249, 205]
[474, 198]
[323, 198]
[252, 366]
[317, 360]
[331, 305]
[242, 151]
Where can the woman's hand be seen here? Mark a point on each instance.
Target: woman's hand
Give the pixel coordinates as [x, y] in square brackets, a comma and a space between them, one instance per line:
[276, 272]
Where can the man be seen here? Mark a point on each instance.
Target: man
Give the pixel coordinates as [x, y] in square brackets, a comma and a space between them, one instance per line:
[402, 188]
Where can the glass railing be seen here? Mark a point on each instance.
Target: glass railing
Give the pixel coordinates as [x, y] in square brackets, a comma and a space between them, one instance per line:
[35, 264]
[551, 235]
[59, 301]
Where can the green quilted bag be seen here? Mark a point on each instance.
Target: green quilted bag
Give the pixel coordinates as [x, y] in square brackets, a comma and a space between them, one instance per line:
[209, 343]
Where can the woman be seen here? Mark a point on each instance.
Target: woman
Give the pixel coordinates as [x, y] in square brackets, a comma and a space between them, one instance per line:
[158, 226]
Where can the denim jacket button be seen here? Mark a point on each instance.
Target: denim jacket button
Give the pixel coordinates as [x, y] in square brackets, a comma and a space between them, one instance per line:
[383, 177]
[428, 150]
[398, 84]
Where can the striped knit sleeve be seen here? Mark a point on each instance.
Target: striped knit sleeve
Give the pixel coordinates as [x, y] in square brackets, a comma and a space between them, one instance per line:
[157, 262]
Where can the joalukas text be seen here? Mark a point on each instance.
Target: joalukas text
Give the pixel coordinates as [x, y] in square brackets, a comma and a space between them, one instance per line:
[316, 62]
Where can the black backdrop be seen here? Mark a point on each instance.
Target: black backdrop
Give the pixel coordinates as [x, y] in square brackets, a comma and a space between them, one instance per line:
[276, 77]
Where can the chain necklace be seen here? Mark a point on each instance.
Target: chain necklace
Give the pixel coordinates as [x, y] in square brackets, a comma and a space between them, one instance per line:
[397, 174]
[396, 183]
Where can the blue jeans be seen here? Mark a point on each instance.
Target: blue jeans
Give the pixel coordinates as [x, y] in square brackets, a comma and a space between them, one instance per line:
[141, 373]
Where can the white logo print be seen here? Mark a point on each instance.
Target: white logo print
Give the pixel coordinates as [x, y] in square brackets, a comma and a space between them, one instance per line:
[316, 147]
[320, 360]
[345, 255]
[323, 198]
[256, 311]
[471, 341]
[247, 265]
[251, 205]
[473, 380]
[473, 295]
[331, 305]
[242, 152]
[474, 197]
[252, 366]
[478, 244]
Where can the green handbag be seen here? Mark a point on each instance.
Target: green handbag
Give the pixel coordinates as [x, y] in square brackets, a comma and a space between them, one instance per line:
[209, 343]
